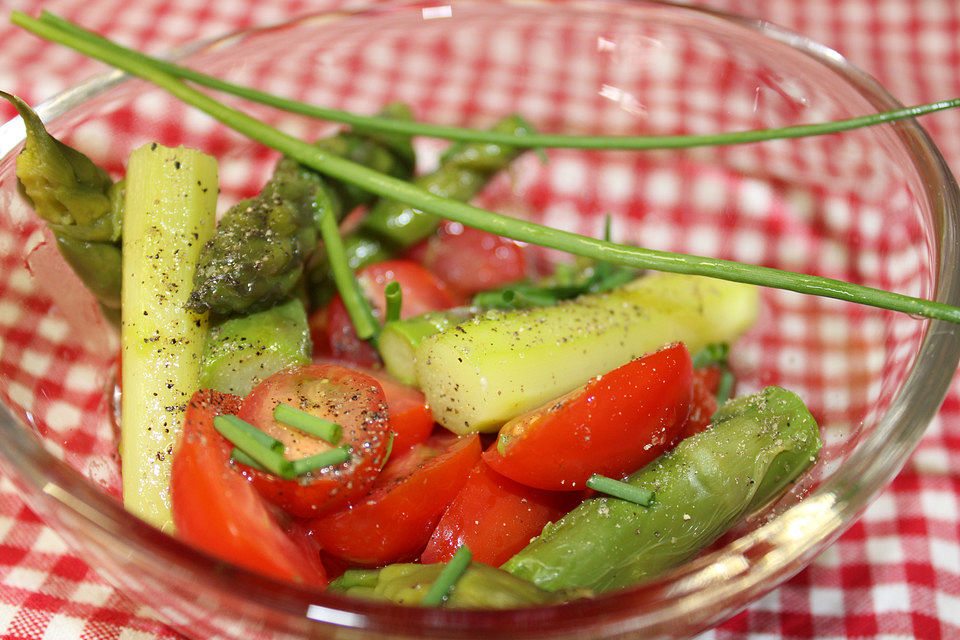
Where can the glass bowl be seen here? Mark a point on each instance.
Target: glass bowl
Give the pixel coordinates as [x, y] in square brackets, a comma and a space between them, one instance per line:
[876, 206]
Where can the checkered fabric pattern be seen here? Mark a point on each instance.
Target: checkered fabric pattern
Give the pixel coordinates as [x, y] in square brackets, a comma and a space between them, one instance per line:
[894, 574]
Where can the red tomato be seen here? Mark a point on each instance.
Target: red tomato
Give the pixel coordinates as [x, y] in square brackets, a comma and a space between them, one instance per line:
[216, 509]
[408, 414]
[470, 260]
[613, 425]
[494, 516]
[332, 332]
[351, 399]
[333, 336]
[706, 380]
[394, 522]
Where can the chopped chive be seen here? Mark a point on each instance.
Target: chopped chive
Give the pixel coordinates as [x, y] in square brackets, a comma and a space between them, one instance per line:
[394, 188]
[440, 589]
[237, 424]
[394, 295]
[725, 387]
[242, 438]
[324, 429]
[321, 460]
[619, 489]
[237, 455]
[710, 355]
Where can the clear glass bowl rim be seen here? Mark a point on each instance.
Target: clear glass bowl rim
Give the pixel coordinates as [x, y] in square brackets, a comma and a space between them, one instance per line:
[652, 606]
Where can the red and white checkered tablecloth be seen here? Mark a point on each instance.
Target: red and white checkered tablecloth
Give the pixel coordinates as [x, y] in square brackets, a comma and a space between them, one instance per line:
[894, 574]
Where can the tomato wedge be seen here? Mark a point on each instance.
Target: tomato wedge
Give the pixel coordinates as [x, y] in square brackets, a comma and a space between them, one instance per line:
[333, 336]
[349, 398]
[216, 509]
[706, 381]
[494, 516]
[470, 260]
[394, 522]
[408, 414]
[333, 333]
[612, 425]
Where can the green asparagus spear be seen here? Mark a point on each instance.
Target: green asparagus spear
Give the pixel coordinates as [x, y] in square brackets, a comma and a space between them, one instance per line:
[256, 256]
[481, 586]
[391, 226]
[241, 351]
[399, 339]
[464, 169]
[261, 246]
[757, 446]
[389, 153]
[79, 202]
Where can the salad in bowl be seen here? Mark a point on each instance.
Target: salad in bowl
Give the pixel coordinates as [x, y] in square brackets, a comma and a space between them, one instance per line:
[356, 391]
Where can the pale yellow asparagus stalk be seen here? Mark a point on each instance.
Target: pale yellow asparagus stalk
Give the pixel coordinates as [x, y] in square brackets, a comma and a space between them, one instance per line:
[169, 213]
[485, 371]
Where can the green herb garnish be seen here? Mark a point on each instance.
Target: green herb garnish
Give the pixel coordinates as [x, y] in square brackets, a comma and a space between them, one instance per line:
[598, 278]
[237, 455]
[394, 299]
[358, 308]
[725, 388]
[235, 425]
[320, 460]
[622, 490]
[532, 140]
[324, 429]
[255, 443]
[440, 589]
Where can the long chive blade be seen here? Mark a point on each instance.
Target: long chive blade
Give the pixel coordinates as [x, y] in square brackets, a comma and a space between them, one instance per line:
[324, 429]
[394, 299]
[254, 446]
[622, 490]
[538, 141]
[358, 308]
[389, 187]
[440, 589]
[320, 460]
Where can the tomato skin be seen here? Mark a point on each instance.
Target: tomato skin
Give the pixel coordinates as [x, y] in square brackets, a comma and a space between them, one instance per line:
[353, 400]
[394, 522]
[408, 414]
[706, 381]
[470, 260]
[613, 425]
[333, 336]
[333, 333]
[216, 508]
[494, 516]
